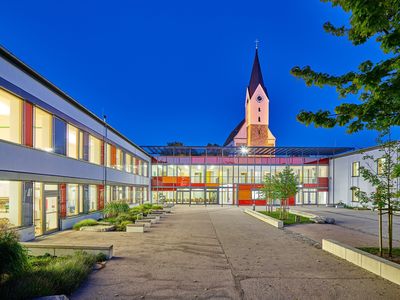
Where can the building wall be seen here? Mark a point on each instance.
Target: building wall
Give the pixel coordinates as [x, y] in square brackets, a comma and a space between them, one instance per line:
[341, 179]
[95, 175]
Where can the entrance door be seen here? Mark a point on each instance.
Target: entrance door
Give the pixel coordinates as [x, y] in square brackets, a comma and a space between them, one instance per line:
[212, 196]
[45, 208]
[182, 197]
[310, 196]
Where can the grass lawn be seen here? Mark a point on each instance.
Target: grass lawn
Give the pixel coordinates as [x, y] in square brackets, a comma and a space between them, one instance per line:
[289, 221]
[48, 275]
[375, 250]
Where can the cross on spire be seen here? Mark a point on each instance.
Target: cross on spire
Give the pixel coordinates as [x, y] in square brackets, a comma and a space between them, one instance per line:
[257, 42]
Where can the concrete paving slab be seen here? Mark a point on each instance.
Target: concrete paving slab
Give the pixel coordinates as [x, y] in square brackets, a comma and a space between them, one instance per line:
[222, 253]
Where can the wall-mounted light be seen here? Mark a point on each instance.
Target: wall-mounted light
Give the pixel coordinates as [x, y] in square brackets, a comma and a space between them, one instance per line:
[244, 150]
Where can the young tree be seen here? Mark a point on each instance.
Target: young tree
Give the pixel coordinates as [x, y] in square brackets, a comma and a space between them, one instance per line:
[383, 177]
[269, 192]
[376, 85]
[285, 186]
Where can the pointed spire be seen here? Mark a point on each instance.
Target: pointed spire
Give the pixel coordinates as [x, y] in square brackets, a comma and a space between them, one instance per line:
[256, 75]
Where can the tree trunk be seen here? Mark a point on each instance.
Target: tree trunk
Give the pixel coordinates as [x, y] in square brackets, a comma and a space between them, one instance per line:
[380, 233]
[390, 229]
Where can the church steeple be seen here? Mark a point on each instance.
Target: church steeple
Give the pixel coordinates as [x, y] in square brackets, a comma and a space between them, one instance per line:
[256, 77]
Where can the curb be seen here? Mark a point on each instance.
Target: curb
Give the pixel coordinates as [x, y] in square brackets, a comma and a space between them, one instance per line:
[377, 265]
[271, 221]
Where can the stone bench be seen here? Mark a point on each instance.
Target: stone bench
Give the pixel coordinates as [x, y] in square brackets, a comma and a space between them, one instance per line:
[147, 223]
[136, 228]
[152, 219]
[157, 217]
[39, 249]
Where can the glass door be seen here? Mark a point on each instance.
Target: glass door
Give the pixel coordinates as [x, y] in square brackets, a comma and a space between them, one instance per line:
[45, 208]
[212, 196]
[182, 197]
[38, 208]
[310, 196]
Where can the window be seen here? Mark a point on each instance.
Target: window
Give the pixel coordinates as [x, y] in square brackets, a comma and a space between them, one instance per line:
[80, 144]
[92, 197]
[72, 199]
[10, 117]
[119, 159]
[259, 109]
[381, 165]
[43, 132]
[94, 150]
[259, 119]
[60, 136]
[10, 202]
[146, 169]
[255, 195]
[354, 197]
[108, 156]
[128, 163]
[355, 169]
[73, 135]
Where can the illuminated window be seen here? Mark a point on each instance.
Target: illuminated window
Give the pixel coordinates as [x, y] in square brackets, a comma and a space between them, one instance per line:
[92, 197]
[72, 199]
[355, 169]
[119, 159]
[10, 117]
[108, 156]
[43, 130]
[381, 165]
[81, 144]
[94, 150]
[10, 202]
[128, 163]
[354, 196]
[73, 136]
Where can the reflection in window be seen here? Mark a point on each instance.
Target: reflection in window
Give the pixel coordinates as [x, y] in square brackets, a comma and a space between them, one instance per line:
[128, 163]
[10, 117]
[43, 130]
[60, 136]
[355, 169]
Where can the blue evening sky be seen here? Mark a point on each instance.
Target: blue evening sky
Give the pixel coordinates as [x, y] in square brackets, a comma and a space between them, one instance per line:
[178, 70]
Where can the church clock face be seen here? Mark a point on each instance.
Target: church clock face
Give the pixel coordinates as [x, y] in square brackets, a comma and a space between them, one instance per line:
[259, 98]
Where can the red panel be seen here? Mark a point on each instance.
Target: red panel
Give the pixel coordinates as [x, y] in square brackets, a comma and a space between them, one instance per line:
[113, 156]
[28, 124]
[63, 200]
[102, 153]
[323, 181]
[100, 197]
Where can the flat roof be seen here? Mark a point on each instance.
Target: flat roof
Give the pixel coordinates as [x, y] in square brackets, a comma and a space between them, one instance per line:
[24, 67]
[251, 151]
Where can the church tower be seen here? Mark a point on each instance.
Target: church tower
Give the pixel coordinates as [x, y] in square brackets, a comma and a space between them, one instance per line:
[254, 131]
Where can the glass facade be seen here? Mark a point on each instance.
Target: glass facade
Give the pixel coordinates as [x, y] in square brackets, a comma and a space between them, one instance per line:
[218, 175]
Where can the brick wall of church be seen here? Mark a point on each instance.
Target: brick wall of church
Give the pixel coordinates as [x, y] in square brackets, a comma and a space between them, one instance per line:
[258, 136]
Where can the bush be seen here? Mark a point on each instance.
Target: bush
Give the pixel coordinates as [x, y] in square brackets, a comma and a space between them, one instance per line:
[125, 217]
[13, 256]
[49, 275]
[114, 208]
[122, 226]
[156, 206]
[86, 222]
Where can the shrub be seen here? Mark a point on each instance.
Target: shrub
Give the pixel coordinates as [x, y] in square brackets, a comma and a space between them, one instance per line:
[86, 222]
[156, 206]
[14, 258]
[49, 276]
[124, 217]
[122, 226]
[110, 220]
[101, 257]
[114, 208]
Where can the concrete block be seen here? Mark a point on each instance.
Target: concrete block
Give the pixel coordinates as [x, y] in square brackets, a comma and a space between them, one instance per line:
[38, 249]
[354, 257]
[367, 261]
[147, 223]
[274, 222]
[371, 264]
[391, 271]
[135, 228]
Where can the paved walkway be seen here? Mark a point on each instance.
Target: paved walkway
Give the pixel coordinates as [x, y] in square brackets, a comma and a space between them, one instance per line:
[209, 253]
[354, 227]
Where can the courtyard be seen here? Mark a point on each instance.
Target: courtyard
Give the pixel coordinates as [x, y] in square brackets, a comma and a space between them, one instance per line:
[220, 252]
